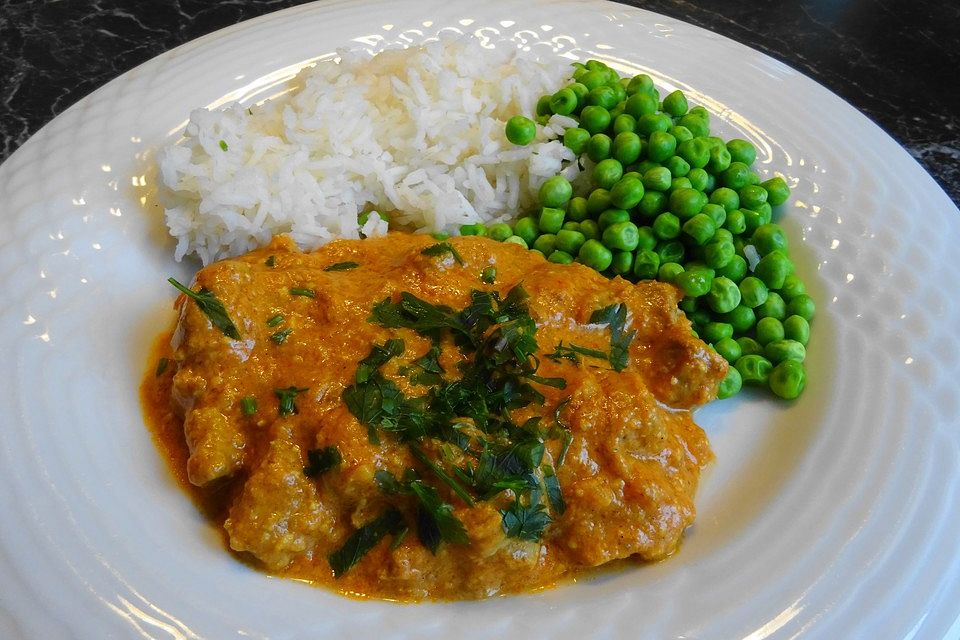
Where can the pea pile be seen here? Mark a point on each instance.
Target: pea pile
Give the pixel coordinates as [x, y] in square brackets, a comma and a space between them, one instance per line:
[665, 200]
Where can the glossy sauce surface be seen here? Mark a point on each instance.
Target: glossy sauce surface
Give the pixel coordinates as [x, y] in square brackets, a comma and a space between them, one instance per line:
[628, 478]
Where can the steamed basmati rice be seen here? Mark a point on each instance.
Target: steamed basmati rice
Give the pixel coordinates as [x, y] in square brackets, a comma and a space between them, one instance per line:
[416, 134]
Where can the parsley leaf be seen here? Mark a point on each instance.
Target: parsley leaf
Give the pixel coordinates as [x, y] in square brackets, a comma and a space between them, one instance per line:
[211, 307]
[525, 522]
[303, 291]
[443, 248]
[572, 352]
[342, 266]
[435, 520]
[286, 398]
[281, 336]
[364, 539]
[552, 485]
[615, 317]
[161, 366]
[321, 460]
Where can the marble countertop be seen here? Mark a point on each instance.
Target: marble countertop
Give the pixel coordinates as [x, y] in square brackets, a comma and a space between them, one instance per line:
[895, 63]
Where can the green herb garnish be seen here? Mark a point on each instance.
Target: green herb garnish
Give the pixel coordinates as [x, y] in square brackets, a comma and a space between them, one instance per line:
[281, 336]
[161, 366]
[615, 317]
[525, 522]
[286, 396]
[271, 261]
[321, 460]
[443, 248]
[223, 145]
[211, 307]
[248, 405]
[572, 352]
[488, 275]
[302, 291]
[364, 539]
[275, 320]
[342, 266]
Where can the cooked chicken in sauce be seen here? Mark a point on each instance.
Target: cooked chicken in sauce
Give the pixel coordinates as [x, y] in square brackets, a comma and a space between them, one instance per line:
[406, 418]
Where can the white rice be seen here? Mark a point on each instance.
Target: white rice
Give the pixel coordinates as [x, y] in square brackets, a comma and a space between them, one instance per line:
[417, 134]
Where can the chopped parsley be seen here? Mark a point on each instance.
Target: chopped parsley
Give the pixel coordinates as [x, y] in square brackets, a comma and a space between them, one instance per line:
[286, 397]
[281, 336]
[615, 317]
[211, 307]
[248, 405]
[364, 539]
[342, 266]
[320, 461]
[275, 320]
[161, 366]
[271, 261]
[441, 249]
[303, 291]
[525, 522]
[223, 145]
[572, 352]
[488, 275]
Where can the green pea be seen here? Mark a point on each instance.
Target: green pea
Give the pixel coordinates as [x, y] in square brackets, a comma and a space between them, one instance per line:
[675, 103]
[627, 192]
[741, 318]
[695, 282]
[699, 229]
[657, 179]
[440, 235]
[670, 251]
[577, 209]
[729, 349]
[500, 231]
[752, 196]
[590, 229]
[773, 269]
[688, 305]
[700, 317]
[622, 262]
[718, 254]
[570, 225]
[788, 379]
[646, 239]
[619, 92]
[520, 130]
[646, 264]
[593, 79]
[736, 222]
[696, 152]
[545, 244]
[648, 123]
[556, 191]
[792, 287]
[752, 220]
[669, 272]
[624, 123]
[576, 139]
[560, 257]
[612, 216]
[580, 90]
[678, 166]
[626, 147]
[607, 173]
[773, 307]
[796, 328]
[687, 202]
[680, 183]
[595, 255]
[660, 146]
[478, 229]
[777, 190]
[564, 102]
[736, 269]
[769, 330]
[666, 226]
[769, 237]
[726, 198]
[802, 306]
[753, 291]
[784, 349]
[543, 106]
[715, 331]
[622, 236]
[753, 177]
[749, 346]
[765, 211]
[570, 241]
[651, 204]
[698, 179]
[594, 118]
[717, 213]
[742, 151]
[735, 176]
[598, 147]
[754, 369]
[551, 220]
[527, 229]
[697, 124]
[730, 385]
[517, 240]
[603, 96]
[598, 201]
[680, 133]
[722, 235]
[640, 104]
[719, 159]
[641, 83]
[724, 295]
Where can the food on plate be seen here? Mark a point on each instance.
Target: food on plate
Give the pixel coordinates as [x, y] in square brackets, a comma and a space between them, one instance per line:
[660, 198]
[409, 418]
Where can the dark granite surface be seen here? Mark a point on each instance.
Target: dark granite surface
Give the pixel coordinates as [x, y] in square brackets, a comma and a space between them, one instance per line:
[897, 61]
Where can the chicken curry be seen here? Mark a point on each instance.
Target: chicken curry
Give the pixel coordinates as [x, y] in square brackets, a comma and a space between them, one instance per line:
[409, 419]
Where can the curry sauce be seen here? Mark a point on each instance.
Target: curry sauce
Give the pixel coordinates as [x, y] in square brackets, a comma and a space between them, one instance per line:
[401, 418]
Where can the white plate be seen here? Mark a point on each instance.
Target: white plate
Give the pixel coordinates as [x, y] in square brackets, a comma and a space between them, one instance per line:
[833, 517]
